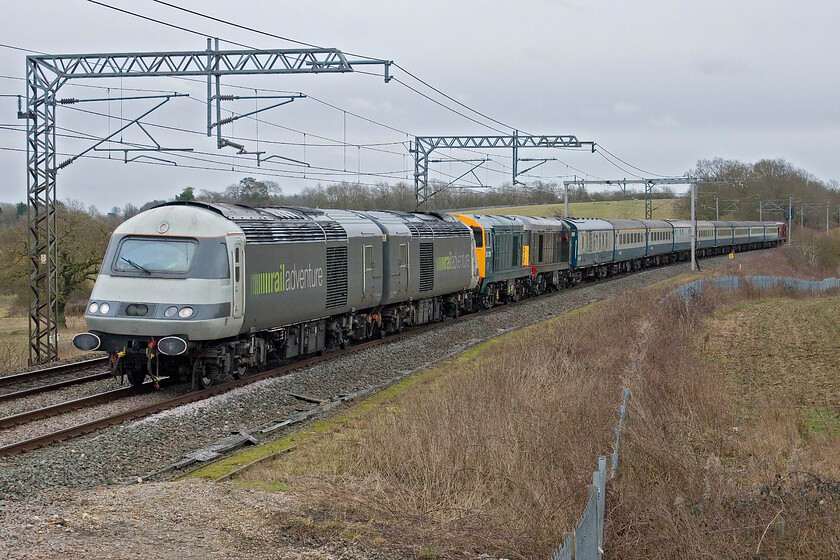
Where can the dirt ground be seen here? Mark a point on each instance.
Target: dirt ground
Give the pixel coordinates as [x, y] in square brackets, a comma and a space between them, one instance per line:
[166, 521]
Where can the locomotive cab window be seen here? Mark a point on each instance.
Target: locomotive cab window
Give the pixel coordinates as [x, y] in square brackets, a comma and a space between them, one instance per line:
[219, 264]
[479, 237]
[155, 255]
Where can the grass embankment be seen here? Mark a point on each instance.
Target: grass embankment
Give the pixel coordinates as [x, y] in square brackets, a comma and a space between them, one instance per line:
[491, 452]
[618, 209]
[733, 447]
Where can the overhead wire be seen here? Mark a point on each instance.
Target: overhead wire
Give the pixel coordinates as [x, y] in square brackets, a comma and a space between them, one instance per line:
[372, 121]
[195, 132]
[192, 31]
[649, 173]
[167, 24]
[611, 162]
[6, 46]
[226, 167]
[315, 46]
[337, 143]
[232, 24]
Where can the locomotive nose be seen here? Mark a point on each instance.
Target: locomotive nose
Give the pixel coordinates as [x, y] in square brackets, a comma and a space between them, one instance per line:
[86, 341]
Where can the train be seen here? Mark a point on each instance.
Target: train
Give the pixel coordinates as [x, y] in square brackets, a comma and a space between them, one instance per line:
[208, 291]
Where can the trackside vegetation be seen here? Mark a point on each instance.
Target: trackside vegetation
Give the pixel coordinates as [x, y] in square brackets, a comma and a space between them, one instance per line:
[491, 452]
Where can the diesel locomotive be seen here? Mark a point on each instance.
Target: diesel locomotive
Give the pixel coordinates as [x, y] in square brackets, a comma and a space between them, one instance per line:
[207, 291]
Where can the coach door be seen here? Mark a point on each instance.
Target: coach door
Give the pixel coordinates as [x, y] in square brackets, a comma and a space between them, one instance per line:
[238, 276]
[368, 269]
[401, 275]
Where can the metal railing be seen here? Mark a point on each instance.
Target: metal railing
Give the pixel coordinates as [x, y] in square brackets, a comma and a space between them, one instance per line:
[586, 541]
[687, 291]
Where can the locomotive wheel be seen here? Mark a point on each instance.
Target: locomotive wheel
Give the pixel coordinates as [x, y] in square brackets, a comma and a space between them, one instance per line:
[239, 371]
[200, 377]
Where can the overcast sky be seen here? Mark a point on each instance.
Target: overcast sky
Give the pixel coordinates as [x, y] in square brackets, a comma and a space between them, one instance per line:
[660, 84]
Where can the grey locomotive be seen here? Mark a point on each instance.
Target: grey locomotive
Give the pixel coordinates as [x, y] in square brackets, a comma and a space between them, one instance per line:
[209, 290]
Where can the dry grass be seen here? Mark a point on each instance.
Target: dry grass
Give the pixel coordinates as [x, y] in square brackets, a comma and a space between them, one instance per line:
[492, 453]
[14, 340]
[730, 451]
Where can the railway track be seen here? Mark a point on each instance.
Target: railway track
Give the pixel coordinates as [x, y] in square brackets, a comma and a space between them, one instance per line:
[140, 412]
[29, 379]
[50, 371]
[69, 406]
[195, 396]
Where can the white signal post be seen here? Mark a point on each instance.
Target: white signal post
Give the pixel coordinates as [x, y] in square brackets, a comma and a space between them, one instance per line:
[693, 228]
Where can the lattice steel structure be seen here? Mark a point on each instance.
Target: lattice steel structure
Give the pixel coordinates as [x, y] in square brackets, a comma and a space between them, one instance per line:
[47, 73]
[648, 183]
[425, 145]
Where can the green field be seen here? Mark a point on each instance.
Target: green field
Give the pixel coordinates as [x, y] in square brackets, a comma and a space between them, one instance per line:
[782, 351]
[662, 209]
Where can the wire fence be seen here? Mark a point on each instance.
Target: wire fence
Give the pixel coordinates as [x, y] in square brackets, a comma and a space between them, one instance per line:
[586, 541]
[687, 291]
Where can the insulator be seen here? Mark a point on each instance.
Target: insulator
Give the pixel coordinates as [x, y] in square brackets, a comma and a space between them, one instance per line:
[228, 97]
[68, 101]
[226, 121]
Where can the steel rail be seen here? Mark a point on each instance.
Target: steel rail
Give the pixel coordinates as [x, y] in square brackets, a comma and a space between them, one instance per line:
[69, 406]
[54, 386]
[74, 431]
[194, 396]
[55, 370]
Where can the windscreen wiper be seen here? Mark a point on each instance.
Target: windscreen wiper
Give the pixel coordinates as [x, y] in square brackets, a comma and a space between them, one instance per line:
[137, 266]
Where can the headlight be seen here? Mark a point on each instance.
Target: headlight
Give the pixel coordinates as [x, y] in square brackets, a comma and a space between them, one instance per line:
[104, 308]
[172, 346]
[86, 341]
[170, 311]
[94, 307]
[186, 312]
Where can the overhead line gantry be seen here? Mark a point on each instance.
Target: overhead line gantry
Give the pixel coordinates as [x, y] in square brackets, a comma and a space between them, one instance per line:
[46, 74]
[424, 146]
[622, 184]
